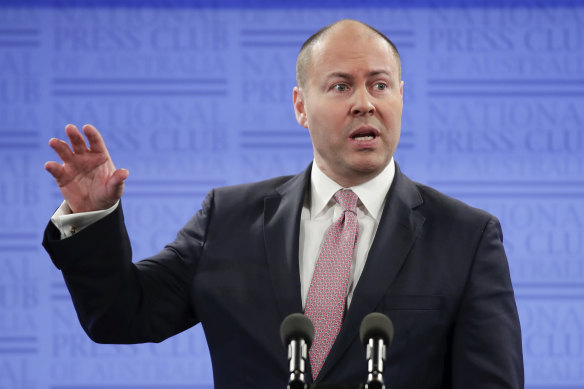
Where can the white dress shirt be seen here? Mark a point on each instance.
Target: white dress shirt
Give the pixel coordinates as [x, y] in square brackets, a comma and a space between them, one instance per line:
[319, 212]
[69, 223]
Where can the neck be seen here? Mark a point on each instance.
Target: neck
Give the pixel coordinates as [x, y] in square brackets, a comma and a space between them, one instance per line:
[352, 179]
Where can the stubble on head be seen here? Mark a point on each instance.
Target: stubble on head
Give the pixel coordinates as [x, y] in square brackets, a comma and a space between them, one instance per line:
[304, 58]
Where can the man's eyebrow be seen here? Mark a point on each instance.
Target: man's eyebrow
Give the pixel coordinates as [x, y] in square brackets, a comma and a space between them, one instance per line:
[378, 72]
[348, 76]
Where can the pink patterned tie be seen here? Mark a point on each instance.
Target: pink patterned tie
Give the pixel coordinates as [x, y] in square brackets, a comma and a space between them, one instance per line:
[325, 303]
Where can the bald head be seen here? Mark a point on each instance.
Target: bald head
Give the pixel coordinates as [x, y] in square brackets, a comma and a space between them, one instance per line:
[305, 56]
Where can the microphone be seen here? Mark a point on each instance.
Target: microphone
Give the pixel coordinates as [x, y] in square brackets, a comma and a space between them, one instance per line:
[376, 334]
[297, 333]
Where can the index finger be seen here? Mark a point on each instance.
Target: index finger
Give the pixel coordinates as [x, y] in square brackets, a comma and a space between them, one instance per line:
[96, 142]
[62, 149]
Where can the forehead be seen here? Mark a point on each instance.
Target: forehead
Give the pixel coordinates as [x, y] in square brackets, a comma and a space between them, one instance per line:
[351, 49]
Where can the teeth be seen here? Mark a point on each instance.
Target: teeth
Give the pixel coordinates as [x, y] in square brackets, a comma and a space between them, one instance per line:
[364, 137]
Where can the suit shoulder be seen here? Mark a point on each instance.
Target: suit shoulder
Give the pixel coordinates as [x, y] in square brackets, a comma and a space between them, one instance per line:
[253, 189]
[246, 197]
[450, 208]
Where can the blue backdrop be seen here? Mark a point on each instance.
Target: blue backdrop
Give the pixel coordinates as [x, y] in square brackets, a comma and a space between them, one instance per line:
[189, 97]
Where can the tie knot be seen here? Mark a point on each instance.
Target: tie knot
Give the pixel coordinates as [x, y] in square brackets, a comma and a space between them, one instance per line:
[347, 199]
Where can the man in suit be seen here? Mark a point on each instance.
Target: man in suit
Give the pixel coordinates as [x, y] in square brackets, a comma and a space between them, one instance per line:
[250, 256]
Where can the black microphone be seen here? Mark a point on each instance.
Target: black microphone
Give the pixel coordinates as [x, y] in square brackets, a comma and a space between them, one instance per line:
[297, 332]
[376, 334]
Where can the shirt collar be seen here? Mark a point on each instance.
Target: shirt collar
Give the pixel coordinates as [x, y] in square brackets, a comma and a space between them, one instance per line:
[371, 193]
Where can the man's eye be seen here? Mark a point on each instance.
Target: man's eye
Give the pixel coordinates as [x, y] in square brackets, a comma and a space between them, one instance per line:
[380, 86]
[340, 87]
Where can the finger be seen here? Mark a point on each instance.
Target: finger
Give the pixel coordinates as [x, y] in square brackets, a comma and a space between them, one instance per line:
[116, 182]
[76, 139]
[62, 149]
[96, 142]
[55, 169]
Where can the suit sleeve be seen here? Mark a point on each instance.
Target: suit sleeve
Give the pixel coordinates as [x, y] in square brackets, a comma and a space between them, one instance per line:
[118, 301]
[487, 351]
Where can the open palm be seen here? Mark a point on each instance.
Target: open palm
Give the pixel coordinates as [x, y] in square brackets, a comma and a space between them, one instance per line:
[87, 178]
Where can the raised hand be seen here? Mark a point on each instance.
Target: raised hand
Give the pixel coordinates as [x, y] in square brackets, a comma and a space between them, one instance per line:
[88, 179]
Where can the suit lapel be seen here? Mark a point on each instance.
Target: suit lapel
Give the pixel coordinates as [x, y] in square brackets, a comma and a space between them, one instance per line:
[282, 211]
[398, 228]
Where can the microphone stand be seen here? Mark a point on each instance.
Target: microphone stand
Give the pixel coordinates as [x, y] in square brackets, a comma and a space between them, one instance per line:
[297, 354]
[375, 358]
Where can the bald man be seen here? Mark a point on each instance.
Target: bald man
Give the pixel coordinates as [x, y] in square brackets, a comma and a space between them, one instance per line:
[257, 252]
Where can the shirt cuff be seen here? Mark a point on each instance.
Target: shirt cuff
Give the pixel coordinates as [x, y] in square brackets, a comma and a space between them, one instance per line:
[69, 223]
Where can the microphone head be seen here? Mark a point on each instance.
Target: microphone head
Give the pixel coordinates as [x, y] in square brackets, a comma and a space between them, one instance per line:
[376, 325]
[296, 326]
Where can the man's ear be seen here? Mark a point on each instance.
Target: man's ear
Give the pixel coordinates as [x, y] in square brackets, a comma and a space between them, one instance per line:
[299, 108]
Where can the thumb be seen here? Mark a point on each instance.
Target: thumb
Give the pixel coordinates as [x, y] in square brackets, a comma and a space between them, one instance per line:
[115, 184]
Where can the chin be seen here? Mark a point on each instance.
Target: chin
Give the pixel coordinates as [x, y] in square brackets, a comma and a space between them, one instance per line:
[370, 166]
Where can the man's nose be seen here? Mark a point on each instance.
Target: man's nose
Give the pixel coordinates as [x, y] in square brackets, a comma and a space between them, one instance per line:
[362, 104]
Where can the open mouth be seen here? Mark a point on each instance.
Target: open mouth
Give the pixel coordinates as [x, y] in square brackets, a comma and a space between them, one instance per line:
[364, 134]
[364, 137]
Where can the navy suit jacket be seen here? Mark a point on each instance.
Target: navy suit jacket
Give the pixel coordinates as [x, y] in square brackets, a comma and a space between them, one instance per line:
[437, 268]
